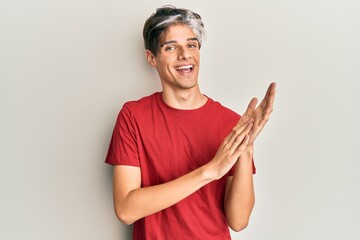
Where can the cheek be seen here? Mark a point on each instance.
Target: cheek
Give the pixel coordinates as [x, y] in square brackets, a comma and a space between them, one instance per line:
[164, 68]
[197, 55]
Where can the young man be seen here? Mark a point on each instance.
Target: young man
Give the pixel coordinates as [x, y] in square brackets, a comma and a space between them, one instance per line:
[183, 164]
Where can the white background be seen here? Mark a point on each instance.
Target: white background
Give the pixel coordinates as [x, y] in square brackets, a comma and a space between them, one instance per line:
[66, 68]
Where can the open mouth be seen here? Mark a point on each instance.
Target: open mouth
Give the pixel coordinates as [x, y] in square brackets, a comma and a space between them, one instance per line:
[185, 68]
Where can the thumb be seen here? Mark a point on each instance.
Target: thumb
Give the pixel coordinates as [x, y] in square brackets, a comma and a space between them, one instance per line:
[251, 108]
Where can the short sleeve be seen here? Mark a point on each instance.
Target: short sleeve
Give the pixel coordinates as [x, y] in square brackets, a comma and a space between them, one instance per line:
[123, 148]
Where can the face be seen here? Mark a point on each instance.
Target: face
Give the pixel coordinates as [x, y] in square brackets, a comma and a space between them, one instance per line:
[178, 60]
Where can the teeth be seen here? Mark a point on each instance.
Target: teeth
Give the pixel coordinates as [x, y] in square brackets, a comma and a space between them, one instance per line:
[185, 67]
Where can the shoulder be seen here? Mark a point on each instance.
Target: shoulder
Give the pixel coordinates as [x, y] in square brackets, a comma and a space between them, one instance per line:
[222, 117]
[224, 111]
[133, 111]
[144, 101]
[141, 104]
[139, 110]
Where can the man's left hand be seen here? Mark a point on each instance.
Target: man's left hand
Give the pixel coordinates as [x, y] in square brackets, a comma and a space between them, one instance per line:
[260, 114]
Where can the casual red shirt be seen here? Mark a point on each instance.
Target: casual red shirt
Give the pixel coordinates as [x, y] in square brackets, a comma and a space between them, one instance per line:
[167, 143]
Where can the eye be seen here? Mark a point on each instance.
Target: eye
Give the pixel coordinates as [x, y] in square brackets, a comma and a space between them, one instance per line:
[192, 45]
[170, 48]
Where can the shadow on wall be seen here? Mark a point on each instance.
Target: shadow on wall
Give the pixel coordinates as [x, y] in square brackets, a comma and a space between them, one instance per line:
[142, 81]
[126, 232]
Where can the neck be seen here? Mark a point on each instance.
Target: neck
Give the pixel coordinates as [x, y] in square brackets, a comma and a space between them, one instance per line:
[184, 99]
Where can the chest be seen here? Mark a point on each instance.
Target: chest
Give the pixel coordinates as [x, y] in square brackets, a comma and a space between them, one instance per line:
[171, 147]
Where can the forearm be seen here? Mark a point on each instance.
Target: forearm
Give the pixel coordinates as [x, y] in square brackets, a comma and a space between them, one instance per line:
[239, 196]
[141, 202]
[133, 202]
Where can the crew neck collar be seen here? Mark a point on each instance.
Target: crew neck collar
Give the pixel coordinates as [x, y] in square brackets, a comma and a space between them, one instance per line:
[178, 111]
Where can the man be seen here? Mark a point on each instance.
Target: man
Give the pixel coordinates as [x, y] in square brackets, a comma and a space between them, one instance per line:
[182, 162]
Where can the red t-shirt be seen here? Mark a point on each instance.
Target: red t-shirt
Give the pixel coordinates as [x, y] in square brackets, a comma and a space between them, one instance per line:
[167, 143]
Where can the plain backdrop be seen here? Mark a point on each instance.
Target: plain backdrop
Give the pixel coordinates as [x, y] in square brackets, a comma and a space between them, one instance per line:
[68, 66]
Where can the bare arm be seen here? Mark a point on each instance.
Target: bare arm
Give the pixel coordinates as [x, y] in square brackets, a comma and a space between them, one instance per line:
[239, 194]
[133, 202]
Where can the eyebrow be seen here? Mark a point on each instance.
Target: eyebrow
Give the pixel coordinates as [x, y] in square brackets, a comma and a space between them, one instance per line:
[173, 41]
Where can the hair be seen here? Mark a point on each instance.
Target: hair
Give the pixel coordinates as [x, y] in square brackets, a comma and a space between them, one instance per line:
[157, 24]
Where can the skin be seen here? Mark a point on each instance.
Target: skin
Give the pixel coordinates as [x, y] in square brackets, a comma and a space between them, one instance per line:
[181, 90]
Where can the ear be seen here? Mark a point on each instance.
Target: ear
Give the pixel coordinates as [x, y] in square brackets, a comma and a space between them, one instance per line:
[151, 58]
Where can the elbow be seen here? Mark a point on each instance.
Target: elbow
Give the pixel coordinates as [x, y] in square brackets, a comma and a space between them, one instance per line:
[123, 216]
[238, 222]
[239, 226]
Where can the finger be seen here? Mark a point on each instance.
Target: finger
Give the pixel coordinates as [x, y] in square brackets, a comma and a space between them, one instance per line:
[242, 146]
[268, 100]
[265, 109]
[240, 137]
[239, 127]
[270, 89]
[250, 109]
[244, 120]
[230, 138]
[271, 93]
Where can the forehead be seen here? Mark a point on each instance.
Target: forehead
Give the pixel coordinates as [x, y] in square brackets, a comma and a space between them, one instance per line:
[178, 32]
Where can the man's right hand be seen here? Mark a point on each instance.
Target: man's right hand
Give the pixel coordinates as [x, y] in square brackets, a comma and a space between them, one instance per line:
[230, 149]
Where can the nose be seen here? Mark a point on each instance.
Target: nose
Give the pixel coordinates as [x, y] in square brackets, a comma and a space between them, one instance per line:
[184, 53]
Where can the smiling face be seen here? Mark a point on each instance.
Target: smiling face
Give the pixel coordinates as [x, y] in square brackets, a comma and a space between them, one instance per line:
[178, 61]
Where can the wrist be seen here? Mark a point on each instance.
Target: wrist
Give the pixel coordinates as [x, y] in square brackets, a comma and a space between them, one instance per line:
[208, 173]
[249, 150]
[245, 161]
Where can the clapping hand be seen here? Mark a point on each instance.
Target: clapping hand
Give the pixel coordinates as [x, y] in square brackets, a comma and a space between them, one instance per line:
[260, 113]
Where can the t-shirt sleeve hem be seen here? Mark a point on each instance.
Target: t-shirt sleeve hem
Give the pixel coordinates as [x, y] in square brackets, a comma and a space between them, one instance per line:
[113, 163]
